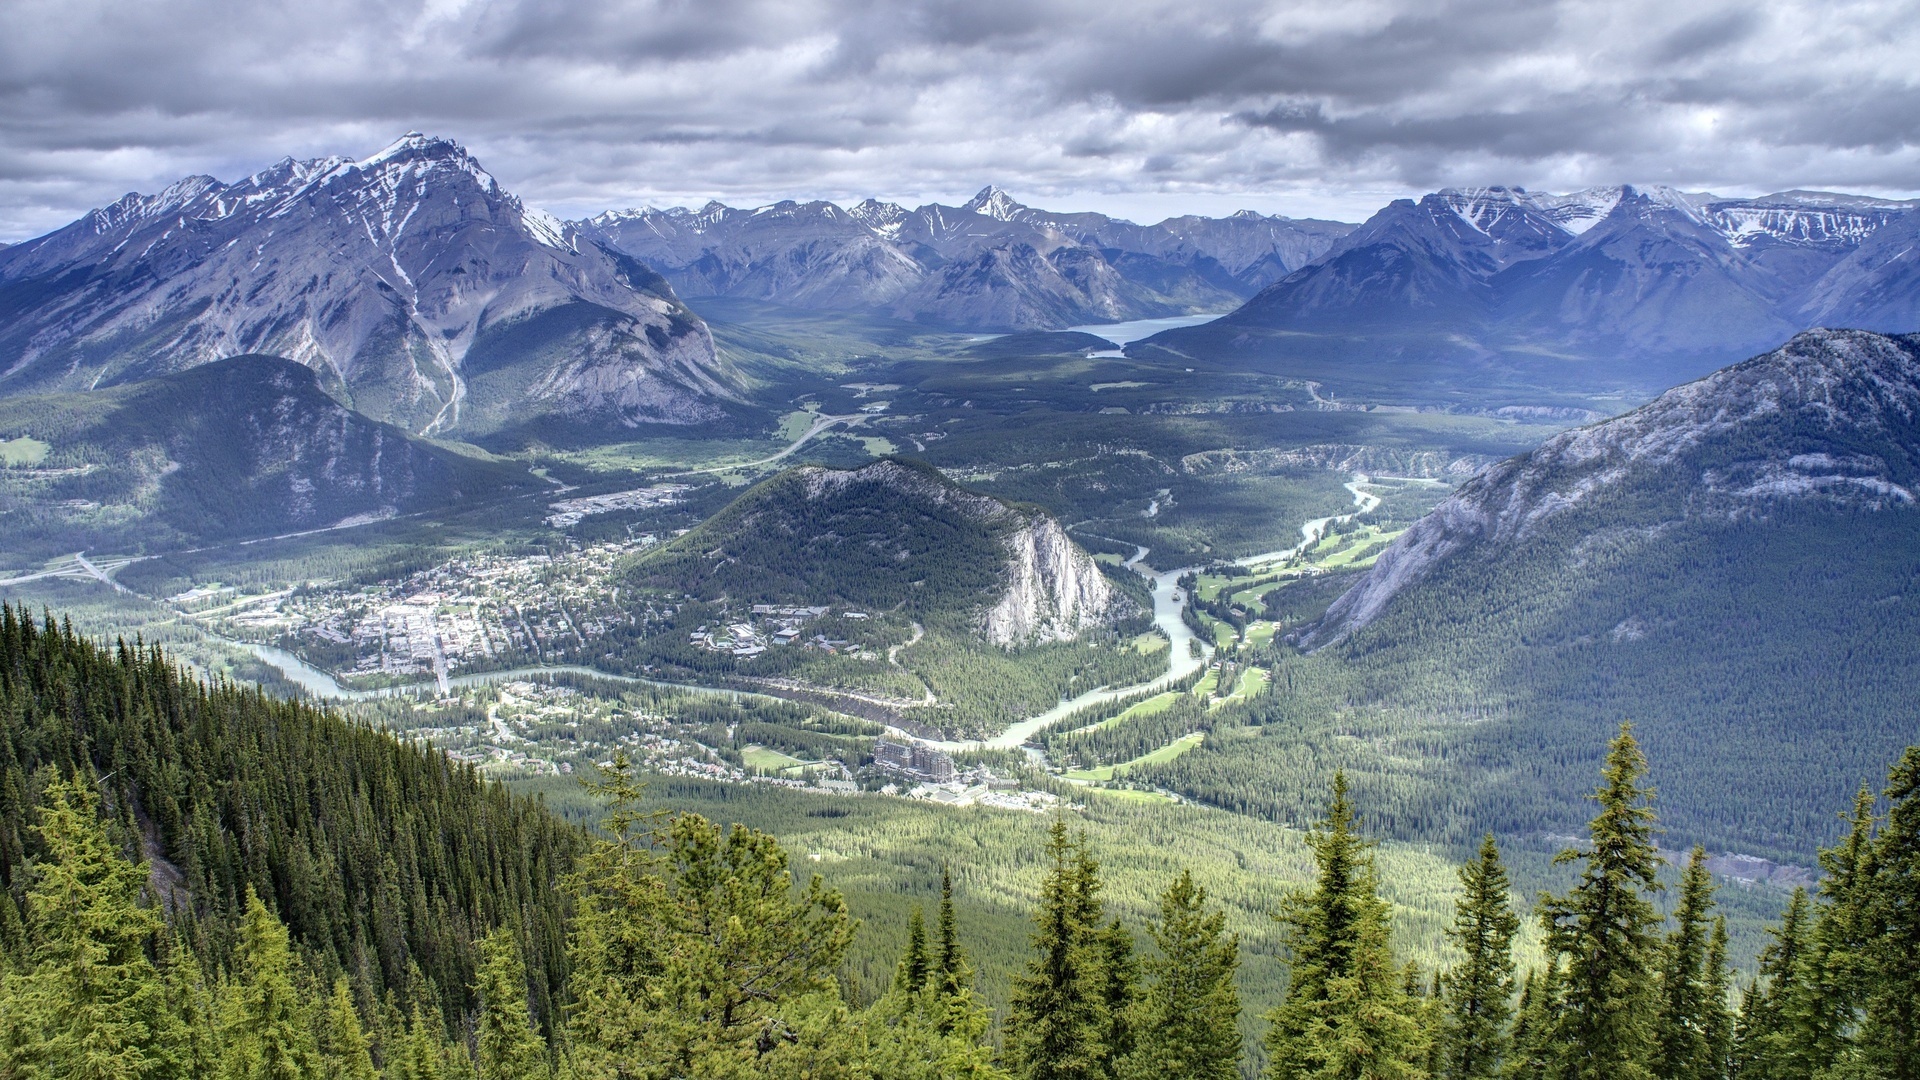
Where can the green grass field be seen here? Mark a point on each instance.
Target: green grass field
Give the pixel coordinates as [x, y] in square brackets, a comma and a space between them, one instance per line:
[1252, 681]
[768, 760]
[23, 451]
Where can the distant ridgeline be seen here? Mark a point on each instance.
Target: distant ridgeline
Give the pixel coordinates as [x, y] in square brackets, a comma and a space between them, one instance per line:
[386, 861]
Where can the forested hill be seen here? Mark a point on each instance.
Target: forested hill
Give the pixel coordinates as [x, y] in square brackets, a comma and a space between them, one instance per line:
[245, 446]
[386, 862]
[893, 535]
[1735, 567]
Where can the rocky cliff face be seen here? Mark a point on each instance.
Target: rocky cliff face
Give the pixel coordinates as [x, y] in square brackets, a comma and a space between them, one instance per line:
[1832, 418]
[1054, 590]
[991, 264]
[421, 292]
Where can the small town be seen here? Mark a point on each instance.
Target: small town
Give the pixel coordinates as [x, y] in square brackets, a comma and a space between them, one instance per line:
[467, 612]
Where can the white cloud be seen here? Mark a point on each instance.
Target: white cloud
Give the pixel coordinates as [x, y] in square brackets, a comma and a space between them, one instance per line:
[1145, 108]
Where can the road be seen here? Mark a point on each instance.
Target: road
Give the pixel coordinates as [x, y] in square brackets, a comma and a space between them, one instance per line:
[820, 424]
[79, 566]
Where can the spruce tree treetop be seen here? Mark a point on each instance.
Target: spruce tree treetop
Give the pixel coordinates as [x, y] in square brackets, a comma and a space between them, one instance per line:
[1606, 928]
[1476, 992]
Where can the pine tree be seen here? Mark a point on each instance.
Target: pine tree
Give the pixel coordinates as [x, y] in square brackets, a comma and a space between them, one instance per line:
[1680, 1047]
[697, 950]
[1346, 1006]
[1888, 1045]
[911, 976]
[1120, 984]
[420, 1051]
[1368, 1026]
[1188, 1021]
[950, 957]
[936, 1032]
[509, 1046]
[1605, 927]
[1535, 1021]
[265, 1030]
[1473, 1037]
[1717, 1020]
[1838, 981]
[92, 1005]
[1767, 1042]
[344, 1044]
[1056, 1020]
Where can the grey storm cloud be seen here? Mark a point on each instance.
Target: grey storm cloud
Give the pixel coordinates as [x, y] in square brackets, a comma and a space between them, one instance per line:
[1137, 106]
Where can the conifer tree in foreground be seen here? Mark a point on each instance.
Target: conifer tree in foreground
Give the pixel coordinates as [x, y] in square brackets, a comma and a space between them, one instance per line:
[1768, 1038]
[1606, 928]
[91, 1005]
[1719, 1019]
[1475, 995]
[934, 1029]
[1188, 1020]
[1687, 1015]
[911, 975]
[1888, 1045]
[1347, 1014]
[1536, 1024]
[691, 948]
[1058, 1021]
[265, 1030]
[951, 972]
[509, 1046]
[344, 1039]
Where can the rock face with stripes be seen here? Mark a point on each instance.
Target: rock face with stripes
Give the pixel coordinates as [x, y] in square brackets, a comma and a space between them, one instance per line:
[417, 288]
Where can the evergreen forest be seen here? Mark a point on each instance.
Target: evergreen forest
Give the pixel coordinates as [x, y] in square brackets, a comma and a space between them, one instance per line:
[200, 880]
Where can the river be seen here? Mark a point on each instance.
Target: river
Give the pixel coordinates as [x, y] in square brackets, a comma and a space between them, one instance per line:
[1121, 333]
[1312, 531]
[1168, 602]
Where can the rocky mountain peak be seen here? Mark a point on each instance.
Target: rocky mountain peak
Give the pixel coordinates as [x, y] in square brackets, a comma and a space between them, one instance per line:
[382, 273]
[994, 203]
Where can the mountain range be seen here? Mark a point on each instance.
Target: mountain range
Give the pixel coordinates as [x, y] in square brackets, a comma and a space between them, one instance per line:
[425, 294]
[419, 290]
[991, 264]
[1605, 286]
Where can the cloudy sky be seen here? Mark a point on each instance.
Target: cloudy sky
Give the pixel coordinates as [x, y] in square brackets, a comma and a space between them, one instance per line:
[1137, 107]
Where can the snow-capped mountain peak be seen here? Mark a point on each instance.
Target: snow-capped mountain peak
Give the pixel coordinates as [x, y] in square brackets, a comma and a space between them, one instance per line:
[381, 273]
[994, 203]
[1581, 210]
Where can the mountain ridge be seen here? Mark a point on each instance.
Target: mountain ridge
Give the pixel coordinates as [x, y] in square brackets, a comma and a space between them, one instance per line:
[1854, 387]
[991, 263]
[1604, 286]
[383, 274]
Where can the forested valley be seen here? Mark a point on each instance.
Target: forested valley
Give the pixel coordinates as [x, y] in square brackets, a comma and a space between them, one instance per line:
[200, 880]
